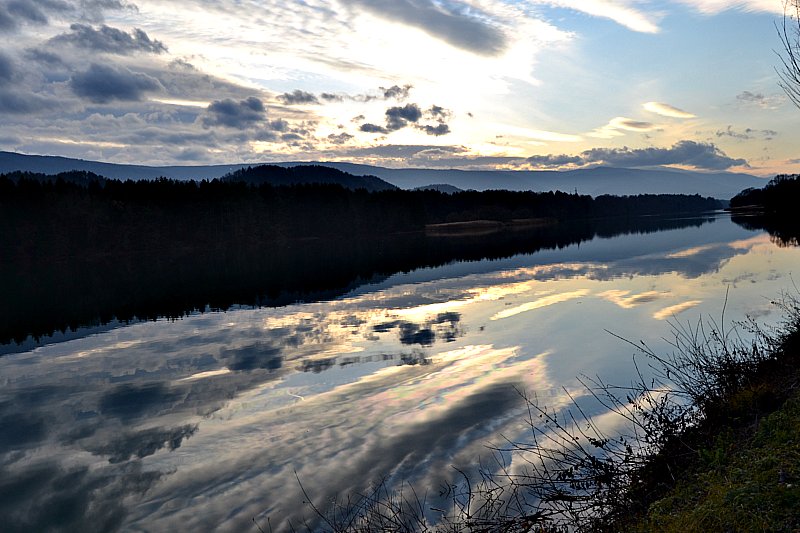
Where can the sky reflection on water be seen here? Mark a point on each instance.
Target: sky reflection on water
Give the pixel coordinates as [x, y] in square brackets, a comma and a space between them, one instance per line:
[201, 423]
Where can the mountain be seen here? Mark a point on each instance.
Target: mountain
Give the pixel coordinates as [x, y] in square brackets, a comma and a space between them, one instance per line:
[593, 181]
[277, 175]
[45, 164]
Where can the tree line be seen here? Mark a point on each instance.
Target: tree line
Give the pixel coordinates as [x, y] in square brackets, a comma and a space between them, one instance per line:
[85, 211]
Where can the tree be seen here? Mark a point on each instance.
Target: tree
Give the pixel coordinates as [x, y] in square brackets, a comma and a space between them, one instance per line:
[789, 33]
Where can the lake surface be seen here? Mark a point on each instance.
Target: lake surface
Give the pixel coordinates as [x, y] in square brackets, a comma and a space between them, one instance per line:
[208, 421]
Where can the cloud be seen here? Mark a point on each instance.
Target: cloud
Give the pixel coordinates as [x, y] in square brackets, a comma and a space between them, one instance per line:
[766, 102]
[6, 69]
[457, 27]
[712, 7]
[397, 92]
[699, 155]
[45, 57]
[373, 128]
[703, 156]
[438, 112]
[144, 443]
[339, 138]
[554, 161]
[240, 115]
[615, 10]
[623, 123]
[22, 102]
[109, 40]
[667, 110]
[747, 134]
[612, 129]
[399, 117]
[19, 12]
[103, 83]
[298, 97]
[439, 129]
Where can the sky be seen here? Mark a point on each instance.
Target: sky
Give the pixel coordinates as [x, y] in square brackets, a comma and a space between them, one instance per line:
[473, 84]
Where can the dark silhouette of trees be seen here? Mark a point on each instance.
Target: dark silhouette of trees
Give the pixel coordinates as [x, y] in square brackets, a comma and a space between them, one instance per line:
[772, 208]
[78, 249]
[789, 33]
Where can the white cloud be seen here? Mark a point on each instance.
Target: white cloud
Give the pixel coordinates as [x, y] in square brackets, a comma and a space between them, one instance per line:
[712, 7]
[618, 125]
[620, 11]
[667, 110]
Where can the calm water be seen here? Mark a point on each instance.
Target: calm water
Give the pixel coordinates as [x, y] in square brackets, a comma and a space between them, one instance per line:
[201, 423]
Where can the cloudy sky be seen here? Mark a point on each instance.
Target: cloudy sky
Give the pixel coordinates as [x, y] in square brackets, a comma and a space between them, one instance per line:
[525, 84]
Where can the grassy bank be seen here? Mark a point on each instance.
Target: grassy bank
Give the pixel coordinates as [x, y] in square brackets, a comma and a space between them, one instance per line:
[737, 468]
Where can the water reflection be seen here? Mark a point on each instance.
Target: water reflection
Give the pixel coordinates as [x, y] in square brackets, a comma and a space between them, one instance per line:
[202, 422]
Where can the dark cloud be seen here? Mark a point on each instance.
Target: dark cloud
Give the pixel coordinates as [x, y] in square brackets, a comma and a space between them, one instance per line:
[240, 115]
[439, 129]
[28, 11]
[44, 56]
[438, 112]
[261, 355]
[747, 134]
[18, 12]
[399, 117]
[373, 128]
[397, 92]
[445, 326]
[51, 497]
[699, 155]
[339, 138]
[331, 97]
[109, 40]
[22, 102]
[144, 443]
[298, 97]
[104, 83]
[6, 69]
[554, 161]
[129, 401]
[761, 100]
[457, 27]
[730, 132]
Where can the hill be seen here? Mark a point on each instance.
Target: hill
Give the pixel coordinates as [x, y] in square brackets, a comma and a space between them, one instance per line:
[306, 174]
[593, 181]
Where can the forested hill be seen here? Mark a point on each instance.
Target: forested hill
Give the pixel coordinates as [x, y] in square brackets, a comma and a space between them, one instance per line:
[780, 196]
[306, 174]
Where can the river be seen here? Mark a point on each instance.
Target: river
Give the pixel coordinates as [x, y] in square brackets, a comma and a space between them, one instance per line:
[211, 420]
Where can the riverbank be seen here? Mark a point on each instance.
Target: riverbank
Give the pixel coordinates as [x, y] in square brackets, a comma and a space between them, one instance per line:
[738, 467]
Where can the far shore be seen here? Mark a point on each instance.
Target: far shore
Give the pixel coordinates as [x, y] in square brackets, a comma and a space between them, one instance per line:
[484, 227]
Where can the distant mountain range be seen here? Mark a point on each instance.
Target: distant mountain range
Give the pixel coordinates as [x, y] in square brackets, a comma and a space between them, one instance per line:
[593, 181]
